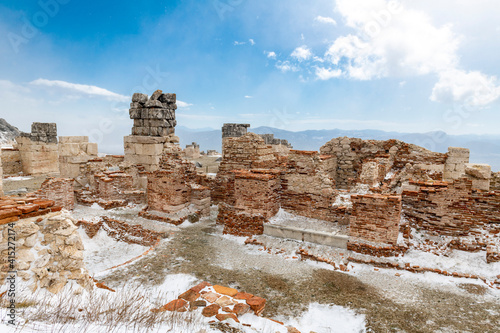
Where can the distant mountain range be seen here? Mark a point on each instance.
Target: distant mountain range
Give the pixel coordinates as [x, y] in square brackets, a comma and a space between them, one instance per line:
[483, 148]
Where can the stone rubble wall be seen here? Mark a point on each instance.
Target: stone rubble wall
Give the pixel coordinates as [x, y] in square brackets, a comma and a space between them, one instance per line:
[375, 218]
[234, 130]
[153, 116]
[49, 253]
[269, 139]
[59, 190]
[11, 161]
[74, 152]
[121, 231]
[351, 153]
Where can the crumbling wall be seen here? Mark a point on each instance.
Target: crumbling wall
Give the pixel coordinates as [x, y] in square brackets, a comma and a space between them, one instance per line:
[451, 209]
[192, 151]
[74, 152]
[307, 186]
[234, 131]
[394, 155]
[480, 175]
[153, 116]
[374, 224]
[59, 190]
[152, 133]
[174, 192]
[11, 161]
[241, 153]
[495, 181]
[256, 199]
[39, 150]
[49, 252]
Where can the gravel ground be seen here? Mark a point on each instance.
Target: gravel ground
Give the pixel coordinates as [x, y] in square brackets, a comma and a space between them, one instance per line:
[408, 303]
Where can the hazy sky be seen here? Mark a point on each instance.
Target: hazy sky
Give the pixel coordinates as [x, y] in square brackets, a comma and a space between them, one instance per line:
[407, 66]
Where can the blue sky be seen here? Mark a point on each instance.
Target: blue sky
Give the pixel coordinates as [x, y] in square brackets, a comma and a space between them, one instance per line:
[407, 66]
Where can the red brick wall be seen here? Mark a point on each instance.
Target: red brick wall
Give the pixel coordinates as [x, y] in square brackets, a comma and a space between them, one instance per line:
[375, 218]
[59, 190]
[452, 209]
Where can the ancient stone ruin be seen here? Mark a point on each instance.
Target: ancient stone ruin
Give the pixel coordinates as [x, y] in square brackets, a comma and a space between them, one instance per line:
[376, 194]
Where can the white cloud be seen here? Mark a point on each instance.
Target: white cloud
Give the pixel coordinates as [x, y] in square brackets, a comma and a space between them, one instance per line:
[252, 42]
[271, 54]
[81, 89]
[182, 104]
[247, 96]
[301, 53]
[286, 66]
[471, 88]
[327, 73]
[327, 20]
[239, 43]
[391, 41]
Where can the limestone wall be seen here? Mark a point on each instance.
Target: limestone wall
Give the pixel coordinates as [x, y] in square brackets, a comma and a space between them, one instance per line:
[495, 181]
[480, 175]
[11, 161]
[234, 130]
[74, 152]
[38, 150]
[49, 253]
[455, 163]
[192, 151]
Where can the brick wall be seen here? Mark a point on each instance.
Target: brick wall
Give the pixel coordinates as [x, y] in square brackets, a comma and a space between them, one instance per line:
[307, 186]
[241, 153]
[452, 209]
[375, 218]
[59, 190]
[176, 189]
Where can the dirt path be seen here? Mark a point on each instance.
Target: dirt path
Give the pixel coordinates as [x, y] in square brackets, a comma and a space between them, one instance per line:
[390, 303]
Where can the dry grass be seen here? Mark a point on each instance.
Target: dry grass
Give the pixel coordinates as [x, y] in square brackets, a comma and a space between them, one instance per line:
[124, 311]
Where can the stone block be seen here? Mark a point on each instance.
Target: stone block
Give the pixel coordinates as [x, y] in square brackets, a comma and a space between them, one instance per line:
[73, 139]
[479, 171]
[69, 149]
